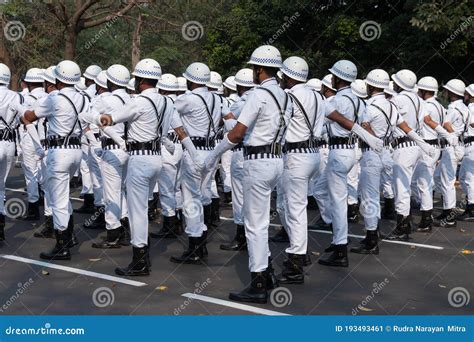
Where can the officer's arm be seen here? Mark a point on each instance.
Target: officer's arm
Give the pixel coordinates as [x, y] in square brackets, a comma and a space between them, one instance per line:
[404, 127]
[28, 117]
[237, 134]
[367, 127]
[447, 126]
[181, 133]
[429, 121]
[341, 120]
[229, 116]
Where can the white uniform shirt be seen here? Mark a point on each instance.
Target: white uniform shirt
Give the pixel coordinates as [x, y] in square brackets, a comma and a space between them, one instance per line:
[60, 113]
[470, 129]
[175, 120]
[411, 109]
[298, 129]
[194, 115]
[91, 91]
[142, 118]
[32, 104]
[346, 103]
[382, 121]
[437, 113]
[232, 98]
[236, 108]
[262, 115]
[9, 100]
[458, 115]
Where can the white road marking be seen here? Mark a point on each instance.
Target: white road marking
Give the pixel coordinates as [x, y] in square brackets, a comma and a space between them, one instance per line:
[74, 270]
[389, 241]
[23, 192]
[234, 305]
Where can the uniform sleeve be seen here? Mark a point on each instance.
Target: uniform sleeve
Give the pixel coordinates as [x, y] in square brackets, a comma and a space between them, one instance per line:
[184, 104]
[251, 109]
[369, 115]
[129, 112]
[46, 108]
[328, 108]
[176, 120]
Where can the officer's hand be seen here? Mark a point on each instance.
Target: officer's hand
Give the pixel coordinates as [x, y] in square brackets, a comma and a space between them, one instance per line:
[452, 139]
[169, 145]
[39, 154]
[106, 120]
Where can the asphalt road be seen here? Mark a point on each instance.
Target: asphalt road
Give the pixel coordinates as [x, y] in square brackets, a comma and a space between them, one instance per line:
[422, 277]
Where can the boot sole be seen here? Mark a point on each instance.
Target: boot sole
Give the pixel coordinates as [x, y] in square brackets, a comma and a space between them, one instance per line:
[188, 262]
[54, 257]
[134, 274]
[366, 252]
[332, 264]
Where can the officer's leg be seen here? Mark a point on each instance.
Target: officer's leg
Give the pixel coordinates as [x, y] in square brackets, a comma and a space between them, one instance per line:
[47, 229]
[226, 174]
[468, 181]
[30, 169]
[447, 178]
[320, 193]
[353, 189]
[424, 183]
[388, 211]
[282, 205]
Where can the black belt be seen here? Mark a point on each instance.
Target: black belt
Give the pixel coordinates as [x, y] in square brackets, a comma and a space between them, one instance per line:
[402, 142]
[444, 143]
[468, 140]
[320, 143]
[44, 143]
[433, 142]
[63, 142]
[203, 143]
[153, 145]
[109, 143]
[263, 151]
[174, 137]
[340, 141]
[7, 135]
[299, 147]
[238, 147]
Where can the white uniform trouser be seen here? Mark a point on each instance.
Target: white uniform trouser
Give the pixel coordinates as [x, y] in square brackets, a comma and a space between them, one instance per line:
[44, 176]
[466, 173]
[94, 161]
[225, 172]
[237, 177]
[415, 192]
[260, 178]
[61, 165]
[340, 162]
[353, 179]
[30, 166]
[387, 174]
[7, 157]
[114, 171]
[404, 163]
[84, 169]
[142, 173]
[424, 181]
[196, 189]
[371, 171]
[445, 177]
[299, 169]
[320, 187]
[168, 179]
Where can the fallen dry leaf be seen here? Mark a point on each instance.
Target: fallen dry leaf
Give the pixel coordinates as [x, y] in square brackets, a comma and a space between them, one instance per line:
[44, 272]
[466, 251]
[462, 230]
[362, 308]
[162, 288]
[412, 247]
[442, 286]
[316, 253]
[94, 260]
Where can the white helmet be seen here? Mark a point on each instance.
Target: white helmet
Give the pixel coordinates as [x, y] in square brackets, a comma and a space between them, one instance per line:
[198, 73]
[327, 82]
[81, 85]
[49, 75]
[131, 84]
[92, 71]
[428, 83]
[378, 78]
[182, 86]
[296, 68]
[389, 90]
[314, 83]
[168, 82]
[34, 75]
[359, 88]
[5, 74]
[405, 79]
[470, 89]
[230, 83]
[118, 74]
[101, 79]
[244, 78]
[266, 55]
[345, 70]
[148, 68]
[68, 72]
[215, 81]
[455, 86]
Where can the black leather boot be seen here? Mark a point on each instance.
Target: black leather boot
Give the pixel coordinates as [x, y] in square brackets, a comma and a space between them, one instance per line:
[216, 212]
[179, 222]
[280, 236]
[338, 257]
[207, 210]
[321, 225]
[61, 249]
[426, 222]
[194, 253]
[239, 243]
[75, 182]
[168, 230]
[272, 280]
[353, 213]
[2, 227]
[307, 259]
[125, 238]
[228, 198]
[139, 265]
[402, 230]
[293, 271]
[32, 213]
[447, 219]
[468, 214]
[88, 205]
[97, 221]
[443, 215]
[112, 240]
[48, 229]
[388, 211]
[256, 292]
[369, 245]
[205, 253]
[72, 236]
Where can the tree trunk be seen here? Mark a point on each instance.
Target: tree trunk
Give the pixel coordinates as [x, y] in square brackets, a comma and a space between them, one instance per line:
[136, 41]
[70, 47]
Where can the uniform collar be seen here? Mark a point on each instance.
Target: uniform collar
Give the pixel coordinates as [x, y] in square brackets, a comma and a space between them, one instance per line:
[431, 99]
[269, 81]
[148, 91]
[202, 89]
[344, 90]
[120, 91]
[37, 90]
[68, 90]
[298, 86]
[3, 86]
